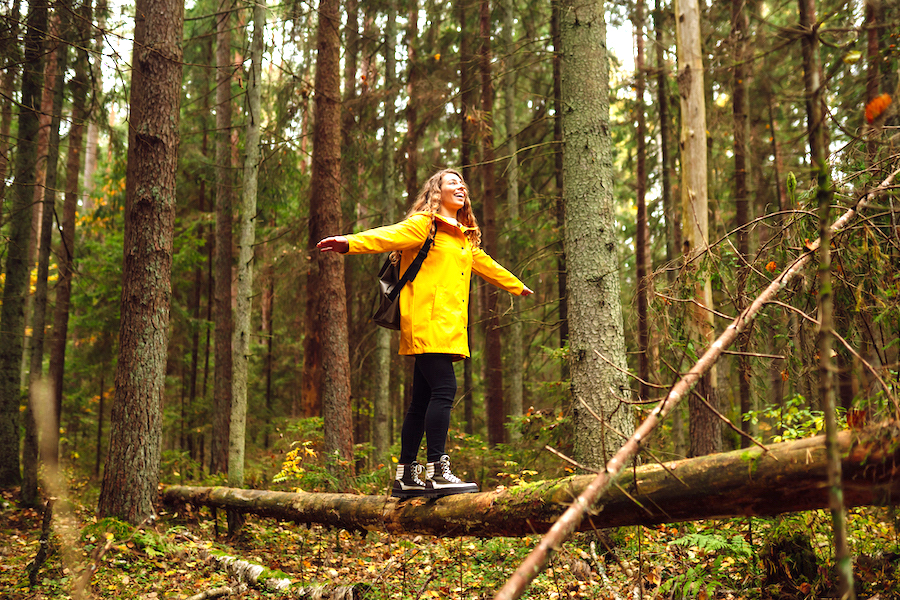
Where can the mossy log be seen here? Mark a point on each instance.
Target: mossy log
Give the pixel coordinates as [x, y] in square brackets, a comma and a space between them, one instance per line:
[787, 477]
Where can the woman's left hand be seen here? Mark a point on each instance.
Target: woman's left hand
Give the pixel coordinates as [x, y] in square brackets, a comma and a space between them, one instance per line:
[526, 291]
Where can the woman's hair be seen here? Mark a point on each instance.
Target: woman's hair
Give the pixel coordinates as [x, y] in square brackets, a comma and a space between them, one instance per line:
[429, 201]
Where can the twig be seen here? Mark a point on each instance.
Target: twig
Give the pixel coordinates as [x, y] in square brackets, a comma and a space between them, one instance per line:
[694, 301]
[44, 549]
[569, 460]
[627, 372]
[729, 423]
[537, 560]
[871, 370]
[752, 354]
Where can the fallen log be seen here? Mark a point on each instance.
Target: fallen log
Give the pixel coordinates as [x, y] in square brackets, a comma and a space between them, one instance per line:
[787, 477]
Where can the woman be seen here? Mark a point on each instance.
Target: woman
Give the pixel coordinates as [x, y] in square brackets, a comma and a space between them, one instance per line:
[433, 318]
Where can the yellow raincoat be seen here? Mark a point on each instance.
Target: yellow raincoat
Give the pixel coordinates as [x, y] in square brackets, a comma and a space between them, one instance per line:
[434, 306]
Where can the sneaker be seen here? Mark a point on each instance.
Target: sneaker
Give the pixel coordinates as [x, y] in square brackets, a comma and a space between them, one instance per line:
[445, 482]
[409, 484]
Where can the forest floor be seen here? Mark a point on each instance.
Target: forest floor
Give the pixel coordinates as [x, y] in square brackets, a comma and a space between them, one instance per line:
[172, 557]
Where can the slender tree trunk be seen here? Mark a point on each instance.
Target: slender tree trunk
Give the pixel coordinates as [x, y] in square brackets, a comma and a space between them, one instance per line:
[129, 489]
[560, 206]
[493, 398]
[40, 404]
[467, 159]
[705, 427]
[222, 312]
[382, 376]
[818, 151]
[15, 288]
[65, 255]
[739, 34]
[414, 77]
[246, 243]
[673, 224]
[100, 415]
[642, 241]
[7, 83]
[93, 128]
[329, 313]
[597, 355]
[515, 337]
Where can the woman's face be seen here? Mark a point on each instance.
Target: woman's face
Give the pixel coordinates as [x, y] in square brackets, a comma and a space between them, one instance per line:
[453, 194]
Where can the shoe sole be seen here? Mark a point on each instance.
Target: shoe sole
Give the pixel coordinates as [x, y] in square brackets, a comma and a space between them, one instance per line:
[405, 494]
[440, 493]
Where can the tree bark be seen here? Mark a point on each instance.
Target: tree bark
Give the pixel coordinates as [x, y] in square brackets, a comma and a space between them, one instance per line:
[515, 337]
[15, 288]
[642, 236]
[66, 254]
[597, 333]
[247, 240]
[381, 395]
[328, 320]
[559, 207]
[222, 312]
[7, 82]
[739, 34]
[705, 427]
[40, 404]
[129, 488]
[468, 97]
[493, 398]
[785, 478]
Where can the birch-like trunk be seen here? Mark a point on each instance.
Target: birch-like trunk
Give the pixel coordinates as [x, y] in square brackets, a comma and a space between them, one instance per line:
[705, 427]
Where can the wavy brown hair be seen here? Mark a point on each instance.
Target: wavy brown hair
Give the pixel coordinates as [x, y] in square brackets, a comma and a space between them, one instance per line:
[429, 201]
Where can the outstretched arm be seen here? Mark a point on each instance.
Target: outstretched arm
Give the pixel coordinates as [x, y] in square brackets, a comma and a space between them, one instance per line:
[337, 243]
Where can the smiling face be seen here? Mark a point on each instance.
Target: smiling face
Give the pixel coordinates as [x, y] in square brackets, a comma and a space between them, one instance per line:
[454, 194]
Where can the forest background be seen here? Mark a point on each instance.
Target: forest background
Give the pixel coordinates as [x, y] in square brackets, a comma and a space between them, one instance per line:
[421, 87]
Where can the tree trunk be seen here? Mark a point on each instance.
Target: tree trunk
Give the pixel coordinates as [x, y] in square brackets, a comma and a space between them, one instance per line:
[381, 395]
[329, 309]
[7, 83]
[786, 478]
[493, 397]
[673, 225]
[642, 236]
[560, 206]
[222, 313]
[597, 342]
[818, 151]
[66, 254]
[129, 488]
[739, 35]
[93, 128]
[515, 338]
[242, 350]
[15, 288]
[468, 97]
[40, 414]
[705, 427]
[413, 92]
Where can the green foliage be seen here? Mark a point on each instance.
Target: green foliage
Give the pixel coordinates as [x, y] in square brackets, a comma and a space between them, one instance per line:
[793, 420]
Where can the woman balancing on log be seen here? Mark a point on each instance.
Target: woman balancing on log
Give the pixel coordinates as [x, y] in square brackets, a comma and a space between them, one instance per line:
[433, 319]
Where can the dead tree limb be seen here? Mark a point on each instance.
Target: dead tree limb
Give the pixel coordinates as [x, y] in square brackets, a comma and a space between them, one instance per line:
[750, 482]
[537, 561]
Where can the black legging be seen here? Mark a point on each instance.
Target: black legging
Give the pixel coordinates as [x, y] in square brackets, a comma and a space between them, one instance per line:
[433, 391]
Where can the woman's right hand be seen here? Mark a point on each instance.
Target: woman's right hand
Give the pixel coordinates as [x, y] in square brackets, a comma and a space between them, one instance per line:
[337, 243]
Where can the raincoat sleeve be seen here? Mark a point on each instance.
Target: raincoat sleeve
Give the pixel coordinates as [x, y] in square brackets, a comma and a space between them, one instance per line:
[405, 235]
[492, 272]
